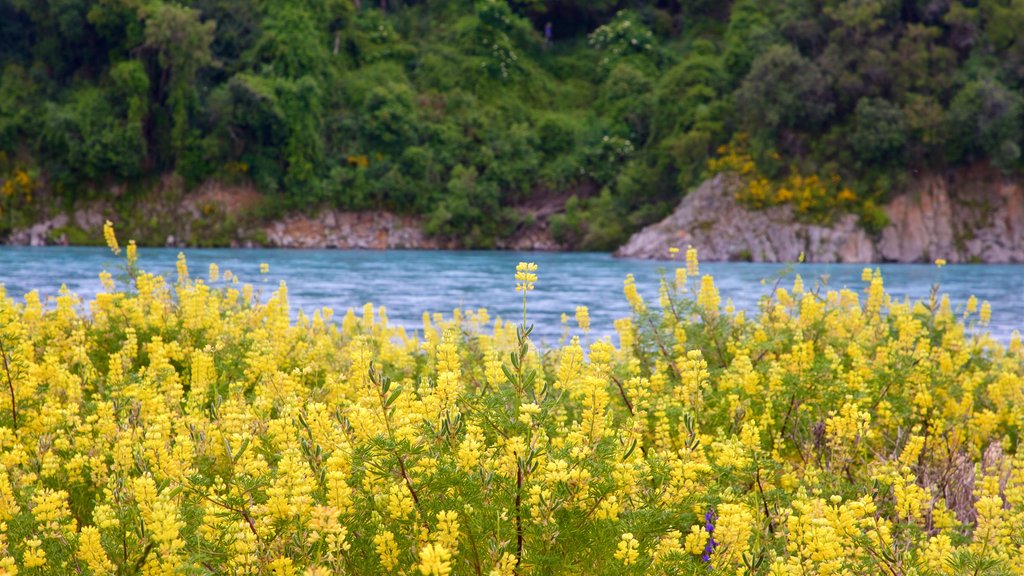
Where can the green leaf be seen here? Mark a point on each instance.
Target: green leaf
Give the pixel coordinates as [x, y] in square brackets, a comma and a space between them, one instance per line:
[629, 452]
[394, 396]
[241, 450]
[508, 374]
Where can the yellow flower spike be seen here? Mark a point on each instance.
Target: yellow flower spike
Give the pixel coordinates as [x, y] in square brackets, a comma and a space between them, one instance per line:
[34, 556]
[264, 268]
[282, 566]
[708, 297]
[132, 254]
[583, 318]
[506, 566]
[940, 262]
[90, 551]
[387, 550]
[632, 295]
[182, 267]
[692, 265]
[628, 550]
[110, 237]
[448, 529]
[107, 281]
[525, 276]
[681, 276]
[435, 560]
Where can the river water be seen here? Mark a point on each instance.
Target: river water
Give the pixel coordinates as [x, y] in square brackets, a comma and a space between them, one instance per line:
[408, 283]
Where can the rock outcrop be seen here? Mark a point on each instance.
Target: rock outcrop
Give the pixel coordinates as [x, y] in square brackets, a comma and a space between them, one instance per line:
[40, 233]
[973, 216]
[710, 219]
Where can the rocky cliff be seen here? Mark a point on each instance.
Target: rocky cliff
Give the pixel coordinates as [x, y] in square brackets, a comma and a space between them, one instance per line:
[972, 216]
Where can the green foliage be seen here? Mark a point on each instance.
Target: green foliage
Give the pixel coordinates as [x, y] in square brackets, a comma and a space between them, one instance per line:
[91, 136]
[879, 132]
[463, 210]
[985, 120]
[624, 36]
[182, 45]
[464, 112]
[783, 91]
[592, 224]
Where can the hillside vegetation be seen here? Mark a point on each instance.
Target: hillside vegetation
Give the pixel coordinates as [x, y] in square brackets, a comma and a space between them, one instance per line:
[462, 111]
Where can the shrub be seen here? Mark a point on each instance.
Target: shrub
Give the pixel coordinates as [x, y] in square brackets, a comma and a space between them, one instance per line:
[185, 425]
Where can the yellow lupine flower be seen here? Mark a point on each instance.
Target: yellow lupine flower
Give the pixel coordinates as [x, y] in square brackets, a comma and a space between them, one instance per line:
[692, 265]
[435, 560]
[387, 550]
[35, 556]
[632, 295]
[628, 549]
[583, 318]
[506, 566]
[90, 551]
[708, 297]
[110, 237]
[448, 529]
[525, 276]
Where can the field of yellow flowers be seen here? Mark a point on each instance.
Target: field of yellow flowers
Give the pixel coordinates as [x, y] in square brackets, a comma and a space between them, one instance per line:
[181, 426]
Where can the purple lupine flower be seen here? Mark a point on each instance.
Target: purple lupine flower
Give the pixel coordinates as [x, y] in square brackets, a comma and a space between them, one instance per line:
[709, 525]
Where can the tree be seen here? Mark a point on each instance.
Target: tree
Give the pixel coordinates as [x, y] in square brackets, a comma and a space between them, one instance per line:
[182, 46]
[784, 90]
[985, 120]
[750, 33]
[879, 132]
[468, 209]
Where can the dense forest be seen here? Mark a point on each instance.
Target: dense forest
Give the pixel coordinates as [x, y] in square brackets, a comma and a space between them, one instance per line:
[462, 110]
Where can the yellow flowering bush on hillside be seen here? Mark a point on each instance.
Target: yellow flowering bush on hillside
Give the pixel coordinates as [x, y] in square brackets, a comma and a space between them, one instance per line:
[183, 426]
[811, 196]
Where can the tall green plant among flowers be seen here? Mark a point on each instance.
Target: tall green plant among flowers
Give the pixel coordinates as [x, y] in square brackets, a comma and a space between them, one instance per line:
[522, 380]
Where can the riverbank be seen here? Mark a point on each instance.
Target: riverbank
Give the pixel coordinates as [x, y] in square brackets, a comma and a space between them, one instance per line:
[969, 216]
[238, 216]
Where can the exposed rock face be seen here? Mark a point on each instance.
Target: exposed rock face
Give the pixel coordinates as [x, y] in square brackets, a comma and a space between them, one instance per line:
[710, 219]
[974, 216]
[380, 231]
[40, 233]
[335, 229]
